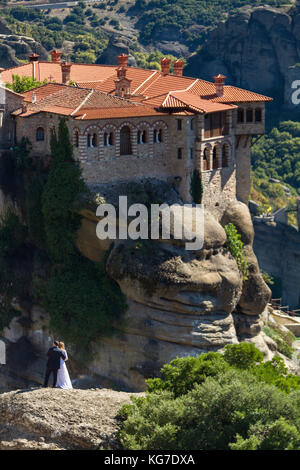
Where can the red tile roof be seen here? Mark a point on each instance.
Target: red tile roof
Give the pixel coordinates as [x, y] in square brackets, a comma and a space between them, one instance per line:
[186, 99]
[151, 87]
[82, 103]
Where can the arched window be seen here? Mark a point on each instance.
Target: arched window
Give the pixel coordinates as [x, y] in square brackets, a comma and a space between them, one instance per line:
[224, 156]
[108, 139]
[76, 139]
[40, 134]
[157, 136]
[258, 115]
[215, 159]
[249, 115]
[240, 115]
[125, 141]
[92, 140]
[205, 159]
[142, 137]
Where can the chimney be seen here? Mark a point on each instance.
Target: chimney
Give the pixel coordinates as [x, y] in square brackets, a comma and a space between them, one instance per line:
[34, 60]
[165, 65]
[33, 57]
[55, 56]
[123, 60]
[34, 97]
[219, 84]
[66, 71]
[178, 67]
[24, 108]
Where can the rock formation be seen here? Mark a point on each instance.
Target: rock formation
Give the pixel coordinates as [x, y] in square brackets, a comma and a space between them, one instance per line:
[13, 48]
[257, 49]
[84, 419]
[180, 302]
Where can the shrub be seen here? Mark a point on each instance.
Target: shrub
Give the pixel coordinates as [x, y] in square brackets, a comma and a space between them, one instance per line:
[236, 248]
[212, 416]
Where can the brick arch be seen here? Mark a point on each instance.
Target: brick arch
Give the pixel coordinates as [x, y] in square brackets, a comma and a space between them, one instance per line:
[133, 138]
[160, 125]
[74, 140]
[92, 129]
[144, 126]
[108, 128]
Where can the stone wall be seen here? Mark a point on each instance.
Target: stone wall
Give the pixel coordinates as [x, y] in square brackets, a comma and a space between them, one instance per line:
[172, 160]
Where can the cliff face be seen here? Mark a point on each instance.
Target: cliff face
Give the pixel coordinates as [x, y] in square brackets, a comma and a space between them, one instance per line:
[13, 48]
[180, 302]
[257, 49]
[277, 247]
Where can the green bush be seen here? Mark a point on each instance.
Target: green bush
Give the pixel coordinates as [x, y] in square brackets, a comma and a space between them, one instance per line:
[214, 402]
[283, 340]
[236, 248]
[82, 301]
[211, 416]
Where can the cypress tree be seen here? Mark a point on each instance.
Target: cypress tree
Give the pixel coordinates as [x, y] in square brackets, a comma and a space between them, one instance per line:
[196, 187]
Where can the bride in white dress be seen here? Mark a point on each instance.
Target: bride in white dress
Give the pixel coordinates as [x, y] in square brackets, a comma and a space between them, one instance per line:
[63, 378]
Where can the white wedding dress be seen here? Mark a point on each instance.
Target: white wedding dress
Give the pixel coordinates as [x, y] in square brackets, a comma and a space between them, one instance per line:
[63, 378]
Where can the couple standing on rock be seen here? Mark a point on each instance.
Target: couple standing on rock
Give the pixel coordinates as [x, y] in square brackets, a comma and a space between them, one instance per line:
[56, 365]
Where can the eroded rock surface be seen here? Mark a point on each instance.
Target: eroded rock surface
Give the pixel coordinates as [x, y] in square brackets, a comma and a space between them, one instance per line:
[53, 419]
[257, 49]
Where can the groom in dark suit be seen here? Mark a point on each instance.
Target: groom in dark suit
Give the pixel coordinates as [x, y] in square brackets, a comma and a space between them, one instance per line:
[53, 364]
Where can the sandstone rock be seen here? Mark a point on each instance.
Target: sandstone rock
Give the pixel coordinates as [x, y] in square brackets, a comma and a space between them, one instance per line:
[256, 48]
[84, 419]
[13, 48]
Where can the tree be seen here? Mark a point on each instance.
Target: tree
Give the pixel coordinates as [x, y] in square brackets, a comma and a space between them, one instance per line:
[62, 190]
[20, 85]
[196, 187]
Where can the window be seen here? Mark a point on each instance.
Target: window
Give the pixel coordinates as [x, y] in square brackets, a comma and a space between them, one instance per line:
[125, 141]
[40, 134]
[191, 153]
[76, 139]
[258, 115]
[157, 136]
[215, 159]
[92, 140]
[108, 139]
[224, 156]
[179, 124]
[215, 125]
[240, 115]
[142, 137]
[179, 154]
[205, 159]
[192, 123]
[249, 115]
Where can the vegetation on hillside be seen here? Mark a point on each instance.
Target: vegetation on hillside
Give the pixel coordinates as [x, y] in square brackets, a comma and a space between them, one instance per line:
[214, 402]
[157, 16]
[276, 157]
[80, 28]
